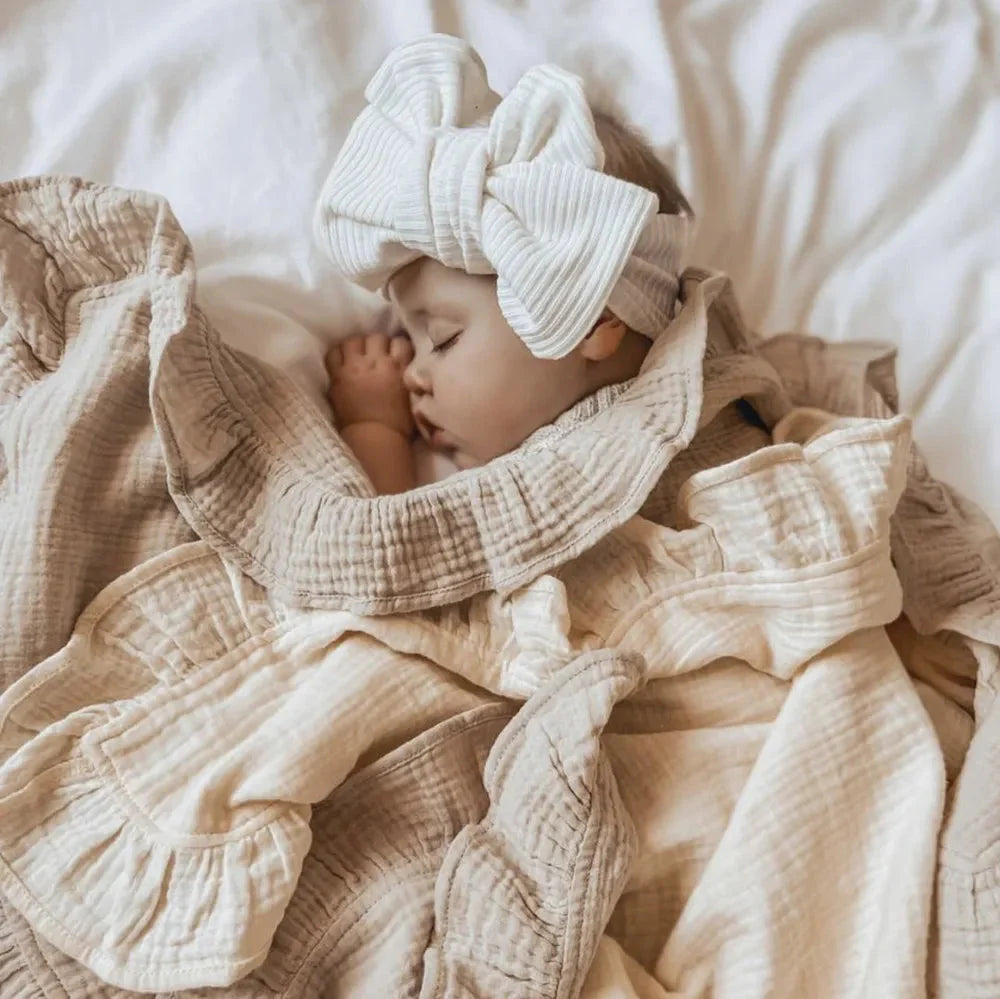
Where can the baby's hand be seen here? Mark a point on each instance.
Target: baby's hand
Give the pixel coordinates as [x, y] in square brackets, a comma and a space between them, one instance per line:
[366, 381]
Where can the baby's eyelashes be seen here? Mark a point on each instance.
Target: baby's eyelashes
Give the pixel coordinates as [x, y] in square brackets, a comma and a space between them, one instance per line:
[446, 344]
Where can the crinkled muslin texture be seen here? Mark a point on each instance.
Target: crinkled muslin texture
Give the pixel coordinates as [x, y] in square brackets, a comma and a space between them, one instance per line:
[437, 165]
[661, 703]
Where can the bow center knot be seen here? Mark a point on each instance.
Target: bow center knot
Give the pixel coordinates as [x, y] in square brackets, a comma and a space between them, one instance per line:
[439, 197]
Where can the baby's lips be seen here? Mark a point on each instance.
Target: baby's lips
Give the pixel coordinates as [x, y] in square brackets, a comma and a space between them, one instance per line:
[437, 438]
[441, 441]
[423, 426]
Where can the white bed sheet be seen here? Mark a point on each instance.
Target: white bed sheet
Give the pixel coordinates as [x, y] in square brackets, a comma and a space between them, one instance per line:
[842, 156]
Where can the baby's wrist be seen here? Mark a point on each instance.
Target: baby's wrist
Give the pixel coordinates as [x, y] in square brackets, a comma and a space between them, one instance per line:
[367, 424]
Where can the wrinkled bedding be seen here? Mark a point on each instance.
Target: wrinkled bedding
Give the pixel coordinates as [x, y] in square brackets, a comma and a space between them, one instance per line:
[661, 704]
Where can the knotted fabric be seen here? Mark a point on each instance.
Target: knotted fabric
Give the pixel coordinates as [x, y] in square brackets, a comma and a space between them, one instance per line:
[438, 165]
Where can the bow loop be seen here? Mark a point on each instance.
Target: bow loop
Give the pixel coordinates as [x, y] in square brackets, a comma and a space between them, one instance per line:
[545, 118]
[437, 81]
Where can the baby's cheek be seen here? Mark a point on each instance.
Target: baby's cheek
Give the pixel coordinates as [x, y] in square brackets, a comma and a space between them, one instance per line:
[506, 429]
[499, 407]
[485, 423]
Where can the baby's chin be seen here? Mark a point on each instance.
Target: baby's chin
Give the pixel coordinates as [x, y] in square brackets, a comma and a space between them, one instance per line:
[457, 449]
[463, 461]
[456, 455]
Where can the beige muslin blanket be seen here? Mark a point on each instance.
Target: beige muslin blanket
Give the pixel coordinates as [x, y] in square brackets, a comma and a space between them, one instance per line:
[660, 704]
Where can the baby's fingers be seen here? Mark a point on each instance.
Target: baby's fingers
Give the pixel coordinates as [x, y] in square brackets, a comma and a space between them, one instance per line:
[401, 350]
[334, 358]
[353, 347]
[376, 344]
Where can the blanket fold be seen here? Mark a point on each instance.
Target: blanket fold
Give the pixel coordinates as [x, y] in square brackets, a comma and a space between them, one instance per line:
[948, 557]
[201, 775]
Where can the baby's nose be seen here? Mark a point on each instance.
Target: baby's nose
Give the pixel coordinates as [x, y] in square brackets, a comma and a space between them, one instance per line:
[415, 379]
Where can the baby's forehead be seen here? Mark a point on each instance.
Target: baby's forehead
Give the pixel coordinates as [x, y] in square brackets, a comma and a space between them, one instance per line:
[426, 287]
[420, 280]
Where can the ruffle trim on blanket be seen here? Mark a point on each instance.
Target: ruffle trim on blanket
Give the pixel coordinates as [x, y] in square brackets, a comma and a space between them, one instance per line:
[155, 801]
[148, 861]
[787, 550]
[63, 234]
[553, 853]
[265, 479]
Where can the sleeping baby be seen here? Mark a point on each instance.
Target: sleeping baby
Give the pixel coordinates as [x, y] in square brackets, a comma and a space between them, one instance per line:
[529, 246]
[633, 558]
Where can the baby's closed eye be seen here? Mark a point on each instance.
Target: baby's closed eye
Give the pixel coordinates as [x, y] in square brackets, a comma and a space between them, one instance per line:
[446, 344]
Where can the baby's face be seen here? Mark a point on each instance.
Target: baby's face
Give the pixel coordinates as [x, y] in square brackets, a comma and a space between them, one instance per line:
[475, 388]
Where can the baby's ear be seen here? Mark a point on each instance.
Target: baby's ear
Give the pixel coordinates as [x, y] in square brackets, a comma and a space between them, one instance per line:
[604, 339]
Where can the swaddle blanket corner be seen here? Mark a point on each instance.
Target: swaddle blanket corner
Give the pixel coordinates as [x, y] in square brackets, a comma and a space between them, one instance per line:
[612, 726]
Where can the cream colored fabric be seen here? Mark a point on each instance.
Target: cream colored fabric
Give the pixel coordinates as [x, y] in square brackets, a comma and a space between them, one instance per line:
[205, 765]
[948, 555]
[437, 165]
[669, 752]
[82, 495]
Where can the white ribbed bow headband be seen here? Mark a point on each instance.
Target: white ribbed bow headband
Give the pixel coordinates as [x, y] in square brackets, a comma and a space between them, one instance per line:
[438, 165]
